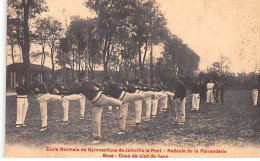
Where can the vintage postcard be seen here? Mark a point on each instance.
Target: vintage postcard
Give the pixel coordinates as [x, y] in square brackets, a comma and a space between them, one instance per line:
[132, 79]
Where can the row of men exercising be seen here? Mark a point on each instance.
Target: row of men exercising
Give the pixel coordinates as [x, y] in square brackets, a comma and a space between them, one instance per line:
[108, 94]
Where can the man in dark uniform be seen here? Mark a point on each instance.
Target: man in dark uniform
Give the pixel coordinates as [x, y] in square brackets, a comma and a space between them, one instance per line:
[119, 92]
[93, 92]
[22, 103]
[222, 91]
[75, 96]
[216, 91]
[54, 87]
[180, 101]
[203, 91]
[42, 97]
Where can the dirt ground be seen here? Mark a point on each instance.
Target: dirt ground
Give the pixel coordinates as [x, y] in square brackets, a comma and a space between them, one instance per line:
[236, 123]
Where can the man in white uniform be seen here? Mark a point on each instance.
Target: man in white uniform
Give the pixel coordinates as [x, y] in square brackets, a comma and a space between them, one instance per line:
[210, 97]
[195, 91]
[255, 88]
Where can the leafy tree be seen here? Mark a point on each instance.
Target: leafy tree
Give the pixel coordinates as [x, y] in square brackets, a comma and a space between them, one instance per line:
[150, 29]
[19, 13]
[114, 22]
[55, 33]
[222, 66]
[178, 60]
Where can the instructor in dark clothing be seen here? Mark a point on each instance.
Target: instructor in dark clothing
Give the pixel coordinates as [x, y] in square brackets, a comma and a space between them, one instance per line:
[180, 101]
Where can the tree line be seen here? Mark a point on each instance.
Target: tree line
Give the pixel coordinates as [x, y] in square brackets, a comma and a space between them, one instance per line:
[121, 37]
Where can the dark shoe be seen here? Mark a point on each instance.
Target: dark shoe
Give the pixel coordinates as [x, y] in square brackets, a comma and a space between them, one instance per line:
[138, 124]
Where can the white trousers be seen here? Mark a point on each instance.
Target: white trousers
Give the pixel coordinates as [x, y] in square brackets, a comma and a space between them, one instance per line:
[154, 106]
[65, 105]
[148, 104]
[138, 110]
[180, 110]
[138, 104]
[123, 115]
[124, 108]
[43, 100]
[22, 107]
[255, 96]
[195, 101]
[210, 97]
[97, 108]
[163, 102]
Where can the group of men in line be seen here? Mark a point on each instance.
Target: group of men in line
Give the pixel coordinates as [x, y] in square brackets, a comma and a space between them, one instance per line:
[112, 94]
[109, 93]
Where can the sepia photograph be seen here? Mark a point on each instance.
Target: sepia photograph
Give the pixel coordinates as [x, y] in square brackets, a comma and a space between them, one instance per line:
[132, 79]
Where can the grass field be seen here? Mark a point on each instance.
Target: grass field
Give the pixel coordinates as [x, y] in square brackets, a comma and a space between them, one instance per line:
[236, 123]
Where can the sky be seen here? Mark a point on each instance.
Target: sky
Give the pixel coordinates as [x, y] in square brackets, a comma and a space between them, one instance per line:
[208, 27]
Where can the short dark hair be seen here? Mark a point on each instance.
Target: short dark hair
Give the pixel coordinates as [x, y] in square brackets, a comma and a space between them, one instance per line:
[108, 78]
[138, 80]
[124, 80]
[83, 74]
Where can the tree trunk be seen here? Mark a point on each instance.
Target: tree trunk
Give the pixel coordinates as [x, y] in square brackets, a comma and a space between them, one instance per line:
[52, 59]
[92, 70]
[140, 62]
[104, 57]
[126, 72]
[145, 51]
[12, 52]
[26, 44]
[72, 72]
[151, 65]
[73, 65]
[43, 58]
[79, 61]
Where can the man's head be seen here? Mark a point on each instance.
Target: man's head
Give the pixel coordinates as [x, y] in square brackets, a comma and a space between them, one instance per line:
[146, 82]
[180, 80]
[125, 82]
[83, 77]
[37, 79]
[57, 79]
[109, 79]
[138, 81]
